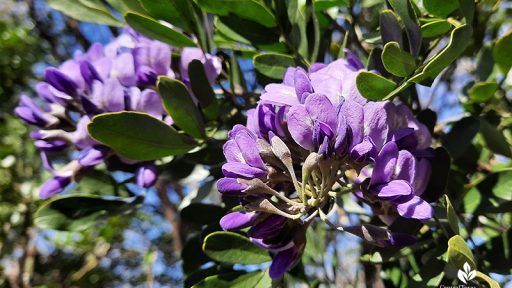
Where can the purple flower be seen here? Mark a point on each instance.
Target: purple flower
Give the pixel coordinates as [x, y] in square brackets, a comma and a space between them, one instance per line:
[54, 186]
[31, 114]
[93, 156]
[243, 161]
[212, 64]
[391, 184]
[146, 175]
[311, 137]
[238, 220]
[116, 77]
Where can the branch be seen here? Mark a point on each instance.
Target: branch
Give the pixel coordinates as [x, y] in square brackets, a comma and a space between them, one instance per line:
[171, 214]
[74, 27]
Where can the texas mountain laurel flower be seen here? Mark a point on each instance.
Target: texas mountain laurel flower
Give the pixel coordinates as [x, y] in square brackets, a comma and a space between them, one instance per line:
[119, 76]
[312, 138]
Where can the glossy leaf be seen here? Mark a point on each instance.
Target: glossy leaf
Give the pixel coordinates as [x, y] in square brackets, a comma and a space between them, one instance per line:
[372, 86]
[439, 175]
[273, 65]
[84, 10]
[246, 9]
[124, 6]
[440, 8]
[298, 35]
[157, 30]
[233, 248]
[202, 89]
[138, 136]
[78, 212]
[459, 252]
[435, 28]
[202, 214]
[453, 220]
[502, 188]
[256, 279]
[321, 5]
[390, 27]
[176, 12]
[179, 104]
[412, 28]
[494, 139]
[483, 91]
[501, 52]
[487, 279]
[245, 31]
[460, 136]
[397, 61]
[459, 40]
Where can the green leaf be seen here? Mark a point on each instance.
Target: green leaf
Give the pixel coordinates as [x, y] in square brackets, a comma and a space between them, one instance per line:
[390, 27]
[397, 61]
[86, 11]
[245, 31]
[256, 279]
[298, 36]
[459, 40]
[202, 89]
[237, 81]
[253, 10]
[156, 30]
[494, 139]
[124, 6]
[406, 12]
[176, 12]
[485, 63]
[273, 65]
[202, 214]
[435, 28]
[321, 5]
[233, 248]
[501, 52]
[459, 252]
[483, 91]
[78, 212]
[372, 86]
[460, 136]
[502, 187]
[487, 279]
[453, 220]
[179, 104]
[138, 136]
[472, 200]
[440, 8]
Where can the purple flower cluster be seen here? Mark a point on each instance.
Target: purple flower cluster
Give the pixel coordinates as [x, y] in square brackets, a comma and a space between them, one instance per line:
[119, 76]
[311, 138]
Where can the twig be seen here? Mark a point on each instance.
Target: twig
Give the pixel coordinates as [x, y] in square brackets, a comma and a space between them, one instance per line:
[171, 214]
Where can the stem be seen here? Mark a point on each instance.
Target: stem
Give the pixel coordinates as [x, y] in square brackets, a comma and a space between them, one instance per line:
[171, 214]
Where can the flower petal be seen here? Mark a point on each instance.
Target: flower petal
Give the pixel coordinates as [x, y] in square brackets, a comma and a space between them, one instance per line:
[416, 208]
[53, 186]
[237, 220]
[405, 168]
[282, 262]
[393, 189]
[385, 164]
[300, 126]
[236, 169]
[320, 109]
[230, 186]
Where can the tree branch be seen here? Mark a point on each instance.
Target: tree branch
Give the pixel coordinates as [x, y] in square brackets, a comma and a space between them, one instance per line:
[170, 213]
